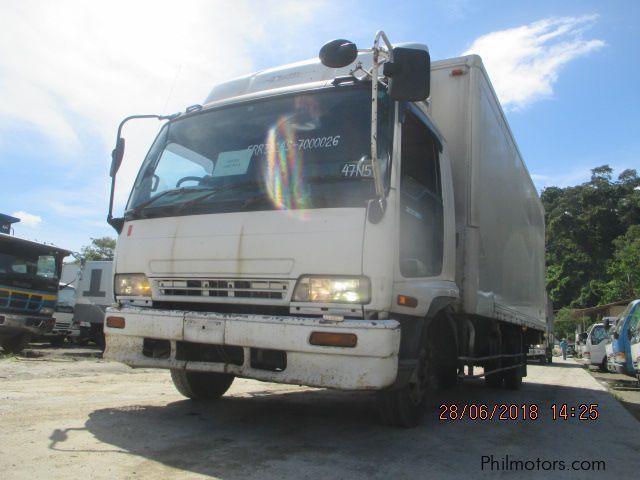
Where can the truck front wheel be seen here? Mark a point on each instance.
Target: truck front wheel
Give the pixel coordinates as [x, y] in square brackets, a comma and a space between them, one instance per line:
[16, 343]
[201, 385]
[405, 406]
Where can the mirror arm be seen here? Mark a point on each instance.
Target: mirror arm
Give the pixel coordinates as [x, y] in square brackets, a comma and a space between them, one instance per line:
[377, 175]
[118, 223]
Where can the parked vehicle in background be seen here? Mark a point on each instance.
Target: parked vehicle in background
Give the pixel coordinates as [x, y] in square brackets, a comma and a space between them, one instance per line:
[323, 224]
[543, 352]
[594, 346]
[621, 342]
[63, 327]
[635, 345]
[93, 284]
[29, 283]
[609, 325]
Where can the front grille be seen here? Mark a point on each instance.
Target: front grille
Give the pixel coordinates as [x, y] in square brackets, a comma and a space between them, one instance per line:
[20, 301]
[62, 325]
[227, 288]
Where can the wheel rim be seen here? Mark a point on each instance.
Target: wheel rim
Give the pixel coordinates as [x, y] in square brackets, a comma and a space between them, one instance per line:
[420, 381]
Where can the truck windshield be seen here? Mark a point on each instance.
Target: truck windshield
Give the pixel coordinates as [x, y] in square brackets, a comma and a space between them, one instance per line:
[290, 152]
[25, 267]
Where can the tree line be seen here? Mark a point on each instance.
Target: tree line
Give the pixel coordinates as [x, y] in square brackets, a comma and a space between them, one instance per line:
[593, 241]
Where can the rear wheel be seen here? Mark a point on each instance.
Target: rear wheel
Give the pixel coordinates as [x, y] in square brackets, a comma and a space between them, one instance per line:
[603, 365]
[513, 376]
[201, 385]
[494, 380]
[16, 343]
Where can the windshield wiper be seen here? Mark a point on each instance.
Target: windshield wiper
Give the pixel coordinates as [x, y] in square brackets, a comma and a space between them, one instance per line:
[137, 210]
[210, 193]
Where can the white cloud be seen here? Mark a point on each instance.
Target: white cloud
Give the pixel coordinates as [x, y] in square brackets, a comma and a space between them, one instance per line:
[28, 219]
[561, 179]
[71, 70]
[524, 62]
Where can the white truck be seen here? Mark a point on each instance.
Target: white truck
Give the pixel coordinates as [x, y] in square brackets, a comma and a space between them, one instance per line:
[261, 241]
[94, 295]
[595, 342]
[81, 316]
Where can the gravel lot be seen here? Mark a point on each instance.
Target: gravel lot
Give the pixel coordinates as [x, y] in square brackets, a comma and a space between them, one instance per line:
[66, 413]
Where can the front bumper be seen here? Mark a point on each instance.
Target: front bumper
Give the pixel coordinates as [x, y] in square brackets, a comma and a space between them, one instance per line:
[371, 364]
[12, 323]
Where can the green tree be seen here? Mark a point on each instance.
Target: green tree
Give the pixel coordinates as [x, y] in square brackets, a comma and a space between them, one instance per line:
[564, 324]
[99, 249]
[582, 223]
[624, 268]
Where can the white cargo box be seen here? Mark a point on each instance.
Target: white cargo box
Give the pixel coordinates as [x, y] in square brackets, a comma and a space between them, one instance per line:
[499, 216]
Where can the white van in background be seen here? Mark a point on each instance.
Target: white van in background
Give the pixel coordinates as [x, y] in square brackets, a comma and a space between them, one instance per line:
[595, 340]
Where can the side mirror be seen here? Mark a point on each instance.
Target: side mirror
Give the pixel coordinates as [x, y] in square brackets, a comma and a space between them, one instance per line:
[338, 53]
[629, 334]
[616, 335]
[409, 74]
[584, 336]
[116, 156]
[607, 324]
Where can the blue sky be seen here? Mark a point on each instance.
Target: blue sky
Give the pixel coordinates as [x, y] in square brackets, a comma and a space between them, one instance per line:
[567, 74]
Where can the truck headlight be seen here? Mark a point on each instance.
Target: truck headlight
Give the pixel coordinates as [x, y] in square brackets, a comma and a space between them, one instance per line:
[46, 311]
[332, 290]
[132, 285]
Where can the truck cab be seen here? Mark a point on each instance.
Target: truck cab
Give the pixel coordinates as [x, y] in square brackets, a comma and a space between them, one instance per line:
[635, 347]
[622, 334]
[29, 283]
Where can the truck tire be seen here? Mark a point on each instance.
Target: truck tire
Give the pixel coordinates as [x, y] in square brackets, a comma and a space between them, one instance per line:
[494, 380]
[404, 407]
[16, 343]
[201, 385]
[603, 365]
[513, 378]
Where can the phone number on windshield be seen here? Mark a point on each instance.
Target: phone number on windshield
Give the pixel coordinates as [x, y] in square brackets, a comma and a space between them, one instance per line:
[510, 412]
[330, 141]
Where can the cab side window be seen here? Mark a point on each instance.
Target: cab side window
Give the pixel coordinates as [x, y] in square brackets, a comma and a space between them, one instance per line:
[421, 212]
[597, 335]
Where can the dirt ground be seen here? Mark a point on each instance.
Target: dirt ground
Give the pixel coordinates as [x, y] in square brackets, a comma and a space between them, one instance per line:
[66, 413]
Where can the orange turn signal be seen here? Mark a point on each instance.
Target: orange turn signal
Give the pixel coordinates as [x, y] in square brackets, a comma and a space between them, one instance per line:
[332, 339]
[407, 301]
[115, 322]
